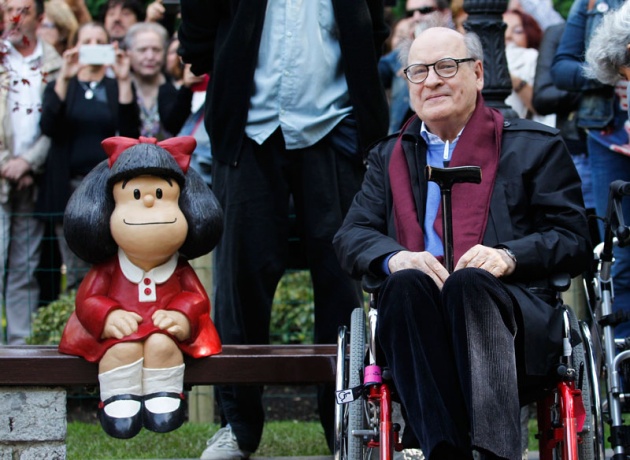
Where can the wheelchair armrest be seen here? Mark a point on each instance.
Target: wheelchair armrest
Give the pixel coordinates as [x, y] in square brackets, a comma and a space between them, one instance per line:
[560, 282]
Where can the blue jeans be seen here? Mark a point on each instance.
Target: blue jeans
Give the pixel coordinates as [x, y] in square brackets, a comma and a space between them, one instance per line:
[607, 166]
[584, 170]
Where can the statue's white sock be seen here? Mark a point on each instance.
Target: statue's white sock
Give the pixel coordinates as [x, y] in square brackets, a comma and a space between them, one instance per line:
[169, 379]
[123, 380]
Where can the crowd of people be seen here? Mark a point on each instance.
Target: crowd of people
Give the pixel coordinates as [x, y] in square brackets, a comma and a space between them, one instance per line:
[55, 120]
[317, 117]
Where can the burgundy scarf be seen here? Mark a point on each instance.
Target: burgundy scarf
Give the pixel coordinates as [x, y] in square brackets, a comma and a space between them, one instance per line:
[478, 145]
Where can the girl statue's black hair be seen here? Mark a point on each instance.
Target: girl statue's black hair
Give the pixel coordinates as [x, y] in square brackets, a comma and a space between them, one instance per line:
[87, 215]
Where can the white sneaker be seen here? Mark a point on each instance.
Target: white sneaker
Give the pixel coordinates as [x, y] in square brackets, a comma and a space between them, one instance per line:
[409, 454]
[223, 446]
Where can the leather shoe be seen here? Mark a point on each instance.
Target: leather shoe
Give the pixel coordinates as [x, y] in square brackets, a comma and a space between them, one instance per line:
[121, 427]
[166, 421]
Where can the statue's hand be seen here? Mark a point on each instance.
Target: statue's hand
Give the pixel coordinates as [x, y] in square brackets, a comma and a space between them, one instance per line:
[173, 322]
[120, 323]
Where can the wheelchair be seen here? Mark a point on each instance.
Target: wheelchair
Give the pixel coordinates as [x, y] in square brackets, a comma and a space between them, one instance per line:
[572, 411]
[568, 414]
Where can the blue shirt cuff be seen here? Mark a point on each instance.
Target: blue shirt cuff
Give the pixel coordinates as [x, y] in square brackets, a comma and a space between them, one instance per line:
[385, 266]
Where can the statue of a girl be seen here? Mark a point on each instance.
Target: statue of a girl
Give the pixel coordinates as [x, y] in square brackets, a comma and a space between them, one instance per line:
[137, 217]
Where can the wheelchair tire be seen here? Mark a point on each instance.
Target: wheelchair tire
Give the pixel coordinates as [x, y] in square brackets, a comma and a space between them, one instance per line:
[588, 448]
[341, 383]
[356, 411]
[594, 416]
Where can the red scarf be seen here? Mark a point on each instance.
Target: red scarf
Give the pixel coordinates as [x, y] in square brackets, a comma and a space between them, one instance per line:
[478, 145]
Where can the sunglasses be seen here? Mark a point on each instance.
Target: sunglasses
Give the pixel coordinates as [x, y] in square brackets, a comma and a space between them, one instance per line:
[424, 10]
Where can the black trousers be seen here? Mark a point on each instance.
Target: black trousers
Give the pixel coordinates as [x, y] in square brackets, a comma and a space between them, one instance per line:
[252, 254]
[453, 360]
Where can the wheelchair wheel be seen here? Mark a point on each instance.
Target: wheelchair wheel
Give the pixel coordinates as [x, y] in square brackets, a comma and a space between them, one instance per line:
[591, 447]
[356, 412]
[593, 407]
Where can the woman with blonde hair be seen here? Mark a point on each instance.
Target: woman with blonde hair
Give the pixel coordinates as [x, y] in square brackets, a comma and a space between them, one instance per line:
[59, 25]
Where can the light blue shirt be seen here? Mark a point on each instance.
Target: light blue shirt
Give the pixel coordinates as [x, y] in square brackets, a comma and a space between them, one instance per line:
[299, 84]
[439, 153]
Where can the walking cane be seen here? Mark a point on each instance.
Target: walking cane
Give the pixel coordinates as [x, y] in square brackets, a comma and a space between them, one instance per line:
[446, 178]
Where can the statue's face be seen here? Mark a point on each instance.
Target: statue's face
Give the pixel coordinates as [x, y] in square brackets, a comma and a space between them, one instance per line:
[147, 223]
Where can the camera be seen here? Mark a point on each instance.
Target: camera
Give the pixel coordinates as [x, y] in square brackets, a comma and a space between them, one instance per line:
[97, 54]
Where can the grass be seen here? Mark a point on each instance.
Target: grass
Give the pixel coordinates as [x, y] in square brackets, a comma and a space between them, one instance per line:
[89, 441]
[287, 438]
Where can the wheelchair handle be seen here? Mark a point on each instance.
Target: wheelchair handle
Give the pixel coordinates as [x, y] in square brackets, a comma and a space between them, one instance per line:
[620, 188]
[614, 225]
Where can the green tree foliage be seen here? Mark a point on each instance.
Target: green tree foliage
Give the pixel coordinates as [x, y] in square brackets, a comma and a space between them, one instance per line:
[49, 321]
[292, 315]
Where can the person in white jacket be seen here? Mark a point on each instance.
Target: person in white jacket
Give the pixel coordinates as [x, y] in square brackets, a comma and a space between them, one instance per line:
[27, 62]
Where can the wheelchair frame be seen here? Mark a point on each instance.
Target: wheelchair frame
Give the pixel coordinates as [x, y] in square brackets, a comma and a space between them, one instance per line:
[570, 417]
[363, 414]
[600, 296]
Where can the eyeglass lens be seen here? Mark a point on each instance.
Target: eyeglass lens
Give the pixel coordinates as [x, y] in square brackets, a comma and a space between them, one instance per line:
[445, 68]
[424, 10]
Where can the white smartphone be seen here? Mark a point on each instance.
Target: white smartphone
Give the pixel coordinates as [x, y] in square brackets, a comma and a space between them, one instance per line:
[97, 54]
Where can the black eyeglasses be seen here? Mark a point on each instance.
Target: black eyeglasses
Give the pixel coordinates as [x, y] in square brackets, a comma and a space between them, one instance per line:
[445, 68]
[424, 10]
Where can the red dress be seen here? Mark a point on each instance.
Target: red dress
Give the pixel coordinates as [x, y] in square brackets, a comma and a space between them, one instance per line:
[106, 288]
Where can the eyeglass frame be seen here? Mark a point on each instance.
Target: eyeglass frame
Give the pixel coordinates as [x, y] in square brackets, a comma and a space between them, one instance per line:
[423, 10]
[428, 66]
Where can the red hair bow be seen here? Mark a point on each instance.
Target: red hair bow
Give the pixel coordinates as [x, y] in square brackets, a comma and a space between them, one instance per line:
[181, 148]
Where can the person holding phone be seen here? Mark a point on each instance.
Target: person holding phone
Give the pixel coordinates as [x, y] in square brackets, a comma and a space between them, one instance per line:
[23, 151]
[80, 108]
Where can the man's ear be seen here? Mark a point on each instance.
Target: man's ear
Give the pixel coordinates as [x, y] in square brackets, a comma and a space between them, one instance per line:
[479, 74]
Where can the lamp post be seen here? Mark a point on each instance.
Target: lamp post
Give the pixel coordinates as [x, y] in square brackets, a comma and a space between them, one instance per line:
[485, 18]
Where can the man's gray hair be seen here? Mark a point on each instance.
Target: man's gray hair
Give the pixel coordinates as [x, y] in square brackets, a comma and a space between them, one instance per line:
[473, 45]
[608, 48]
[471, 40]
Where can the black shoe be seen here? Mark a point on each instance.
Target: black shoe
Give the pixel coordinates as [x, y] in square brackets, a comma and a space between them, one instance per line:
[169, 421]
[121, 427]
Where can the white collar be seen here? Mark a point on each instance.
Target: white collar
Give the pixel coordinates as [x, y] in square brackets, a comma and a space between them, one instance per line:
[37, 53]
[135, 274]
[431, 138]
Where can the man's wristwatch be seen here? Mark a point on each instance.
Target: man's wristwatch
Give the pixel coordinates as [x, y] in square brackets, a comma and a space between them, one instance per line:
[509, 253]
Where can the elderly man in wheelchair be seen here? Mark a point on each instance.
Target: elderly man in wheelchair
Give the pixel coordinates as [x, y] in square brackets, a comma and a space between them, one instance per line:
[468, 320]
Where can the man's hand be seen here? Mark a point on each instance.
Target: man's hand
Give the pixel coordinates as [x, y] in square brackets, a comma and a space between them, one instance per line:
[15, 168]
[120, 323]
[190, 78]
[173, 322]
[155, 11]
[122, 64]
[423, 261]
[493, 260]
[24, 182]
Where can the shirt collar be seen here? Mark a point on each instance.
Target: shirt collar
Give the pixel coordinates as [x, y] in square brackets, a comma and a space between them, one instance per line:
[135, 274]
[36, 55]
[431, 138]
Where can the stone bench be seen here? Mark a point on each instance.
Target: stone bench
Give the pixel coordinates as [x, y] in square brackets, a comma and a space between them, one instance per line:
[33, 382]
